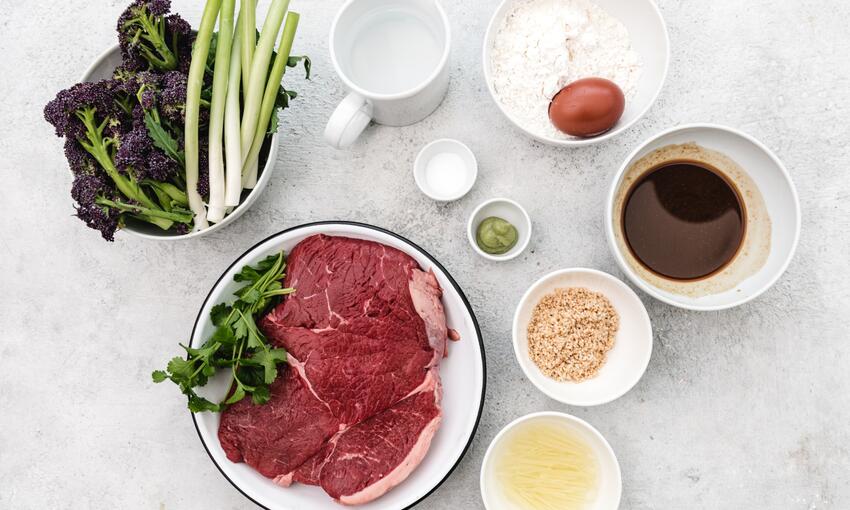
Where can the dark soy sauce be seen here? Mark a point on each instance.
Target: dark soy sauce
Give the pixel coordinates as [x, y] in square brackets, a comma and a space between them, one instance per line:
[684, 220]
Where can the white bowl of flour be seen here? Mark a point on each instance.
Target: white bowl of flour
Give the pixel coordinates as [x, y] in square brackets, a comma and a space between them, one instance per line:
[533, 48]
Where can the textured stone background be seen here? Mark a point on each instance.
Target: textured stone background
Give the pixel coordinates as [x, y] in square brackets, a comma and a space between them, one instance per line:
[748, 408]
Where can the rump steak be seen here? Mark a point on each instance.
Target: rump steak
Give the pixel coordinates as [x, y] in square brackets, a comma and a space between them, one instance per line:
[357, 408]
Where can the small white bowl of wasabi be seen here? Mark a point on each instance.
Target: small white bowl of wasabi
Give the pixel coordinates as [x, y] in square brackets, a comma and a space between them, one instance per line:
[489, 229]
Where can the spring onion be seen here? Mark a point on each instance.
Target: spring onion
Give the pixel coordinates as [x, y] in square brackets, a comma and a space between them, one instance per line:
[275, 75]
[259, 69]
[216, 209]
[232, 134]
[200, 51]
[248, 13]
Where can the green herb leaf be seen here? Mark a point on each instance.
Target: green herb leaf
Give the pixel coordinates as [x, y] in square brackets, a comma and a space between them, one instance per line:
[269, 360]
[224, 335]
[238, 394]
[199, 404]
[256, 339]
[181, 370]
[237, 343]
[219, 314]
[163, 140]
[261, 395]
[294, 60]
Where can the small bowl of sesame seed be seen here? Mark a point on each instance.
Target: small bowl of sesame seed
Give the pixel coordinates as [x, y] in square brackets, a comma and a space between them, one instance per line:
[582, 336]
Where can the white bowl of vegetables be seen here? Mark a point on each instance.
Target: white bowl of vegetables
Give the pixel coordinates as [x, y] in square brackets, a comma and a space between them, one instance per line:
[160, 119]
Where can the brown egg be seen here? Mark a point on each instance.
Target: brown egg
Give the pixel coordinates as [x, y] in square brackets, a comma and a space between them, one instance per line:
[587, 107]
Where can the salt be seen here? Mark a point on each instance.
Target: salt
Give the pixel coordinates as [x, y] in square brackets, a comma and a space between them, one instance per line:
[445, 174]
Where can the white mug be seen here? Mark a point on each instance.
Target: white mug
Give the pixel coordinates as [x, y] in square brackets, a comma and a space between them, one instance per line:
[393, 57]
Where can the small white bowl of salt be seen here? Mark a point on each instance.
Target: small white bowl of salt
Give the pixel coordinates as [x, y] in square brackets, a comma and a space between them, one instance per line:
[445, 170]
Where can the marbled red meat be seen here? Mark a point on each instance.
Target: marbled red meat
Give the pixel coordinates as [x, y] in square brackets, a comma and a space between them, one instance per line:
[357, 408]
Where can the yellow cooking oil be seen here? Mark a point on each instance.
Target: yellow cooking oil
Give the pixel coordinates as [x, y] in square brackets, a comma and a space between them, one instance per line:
[541, 465]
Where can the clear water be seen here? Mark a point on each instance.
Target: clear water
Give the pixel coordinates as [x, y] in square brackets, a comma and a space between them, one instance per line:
[392, 51]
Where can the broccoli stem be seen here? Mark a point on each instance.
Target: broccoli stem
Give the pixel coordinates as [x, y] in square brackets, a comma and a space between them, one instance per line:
[173, 216]
[99, 148]
[200, 51]
[272, 87]
[152, 30]
[172, 191]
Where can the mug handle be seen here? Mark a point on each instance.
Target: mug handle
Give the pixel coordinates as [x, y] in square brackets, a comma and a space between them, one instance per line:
[348, 120]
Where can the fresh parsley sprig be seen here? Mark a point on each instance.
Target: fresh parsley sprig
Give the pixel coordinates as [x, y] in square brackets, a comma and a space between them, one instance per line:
[237, 343]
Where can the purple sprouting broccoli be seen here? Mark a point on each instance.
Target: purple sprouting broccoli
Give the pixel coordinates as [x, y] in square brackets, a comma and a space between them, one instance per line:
[172, 97]
[151, 38]
[86, 191]
[89, 116]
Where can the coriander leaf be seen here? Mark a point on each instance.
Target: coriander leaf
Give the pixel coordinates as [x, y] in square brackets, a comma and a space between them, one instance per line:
[269, 262]
[223, 335]
[199, 404]
[247, 274]
[240, 328]
[269, 360]
[236, 343]
[238, 395]
[205, 352]
[249, 295]
[255, 338]
[219, 314]
[181, 370]
[261, 395]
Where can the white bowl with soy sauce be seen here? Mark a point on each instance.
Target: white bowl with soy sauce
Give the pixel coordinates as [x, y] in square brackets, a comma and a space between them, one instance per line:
[703, 217]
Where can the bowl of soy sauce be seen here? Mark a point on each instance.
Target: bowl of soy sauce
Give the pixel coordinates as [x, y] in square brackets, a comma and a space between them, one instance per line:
[703, 217]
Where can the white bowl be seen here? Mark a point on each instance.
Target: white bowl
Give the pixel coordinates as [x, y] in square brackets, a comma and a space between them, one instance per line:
[463, 375]
[509, 211]
[649, 38]
[610, 481]
[441, 146]
[101, 69]
[767, 173]
[626, 361]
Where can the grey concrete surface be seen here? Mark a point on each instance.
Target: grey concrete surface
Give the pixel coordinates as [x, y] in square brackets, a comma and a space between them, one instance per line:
[742, 409]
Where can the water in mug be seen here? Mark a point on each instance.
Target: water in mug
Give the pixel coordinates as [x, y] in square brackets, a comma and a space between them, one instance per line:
[393, 51]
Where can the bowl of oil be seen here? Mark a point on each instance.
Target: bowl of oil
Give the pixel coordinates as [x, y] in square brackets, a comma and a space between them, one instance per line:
[550, 461]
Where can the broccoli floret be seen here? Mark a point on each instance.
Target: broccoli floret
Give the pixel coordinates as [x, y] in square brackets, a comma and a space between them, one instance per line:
[151, 38]
[172, 97]
[86, 190]
[89, 116]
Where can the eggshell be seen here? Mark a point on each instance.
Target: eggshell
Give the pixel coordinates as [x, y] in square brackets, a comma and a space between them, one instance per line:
[587, 107]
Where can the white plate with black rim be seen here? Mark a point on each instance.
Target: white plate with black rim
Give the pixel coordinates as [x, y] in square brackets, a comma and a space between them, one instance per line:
[462, 373]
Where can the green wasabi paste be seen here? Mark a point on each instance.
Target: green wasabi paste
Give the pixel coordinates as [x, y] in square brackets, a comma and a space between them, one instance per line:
[496, 236]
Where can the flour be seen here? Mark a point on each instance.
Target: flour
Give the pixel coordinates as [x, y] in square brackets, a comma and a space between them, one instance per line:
[544, 45]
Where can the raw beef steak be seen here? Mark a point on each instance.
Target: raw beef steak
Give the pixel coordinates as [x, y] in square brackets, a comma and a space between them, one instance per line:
[357, 409]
